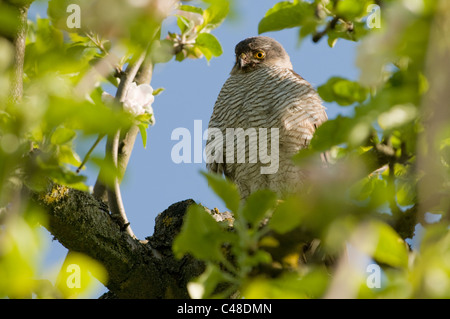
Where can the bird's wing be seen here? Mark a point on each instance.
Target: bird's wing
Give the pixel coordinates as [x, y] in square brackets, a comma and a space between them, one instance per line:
[224, 111]
[313, 104]
[312, 109]
[301, 110]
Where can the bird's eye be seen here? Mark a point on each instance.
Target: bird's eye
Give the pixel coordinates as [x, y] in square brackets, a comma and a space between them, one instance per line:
[259, 55]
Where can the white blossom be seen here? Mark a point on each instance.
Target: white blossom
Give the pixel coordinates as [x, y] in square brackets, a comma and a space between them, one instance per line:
[138, 99]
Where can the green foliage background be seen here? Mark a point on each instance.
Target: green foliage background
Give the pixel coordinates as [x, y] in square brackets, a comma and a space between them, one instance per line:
[371, 196]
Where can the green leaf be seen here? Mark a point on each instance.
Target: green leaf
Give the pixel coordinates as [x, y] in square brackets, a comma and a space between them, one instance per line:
[184, 24]
[68, 156]
[180, 56]
[189, 8]
[331, 41]
[8, 21]
[287, 215]
[208, 45]
[406, 194]
[256, 258]
[144, 119]
[47, 35]
[83, 115]
[289, 285]
[332, 132]
[88, 270]
[225, 189]
[96, 95]
[205, 285]
[397, 116]
[65, 177]
[158, 91]
[57, 11]
[258, 204]
[201, 236]
[342, 91]
[285, 15]
[143, 130]
[216, 13]
[362, 189]
[62, 136]
[351, 9]
[162, 51]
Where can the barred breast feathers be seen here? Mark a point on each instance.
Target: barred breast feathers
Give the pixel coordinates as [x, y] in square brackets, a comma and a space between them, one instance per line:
[270, 97]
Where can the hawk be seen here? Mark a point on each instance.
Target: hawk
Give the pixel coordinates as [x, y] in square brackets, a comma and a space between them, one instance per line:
[265, 113]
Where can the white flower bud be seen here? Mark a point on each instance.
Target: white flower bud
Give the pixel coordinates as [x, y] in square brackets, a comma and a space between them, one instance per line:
[138, 99]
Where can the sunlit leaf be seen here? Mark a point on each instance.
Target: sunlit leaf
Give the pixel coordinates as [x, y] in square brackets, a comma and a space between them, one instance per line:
[284, 15]
[380, 241]
[158, 91]
[67, 155]
[20, 249]
[287, 215]
[143, 131]
[209, 45]
[258, 205]
[205, 285]
[77, 274]
[216, 13]
[225, 189]
[332, 132]
[406, 194]
[288, 286]
[201, 236]
[350, 9]
[342, 91]
[62, 135]
[189, 8]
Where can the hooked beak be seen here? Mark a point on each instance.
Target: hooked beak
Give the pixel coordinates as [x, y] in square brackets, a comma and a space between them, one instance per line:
[242, 60]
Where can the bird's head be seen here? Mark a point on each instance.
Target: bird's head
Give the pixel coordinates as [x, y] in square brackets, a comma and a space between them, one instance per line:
[256, 52]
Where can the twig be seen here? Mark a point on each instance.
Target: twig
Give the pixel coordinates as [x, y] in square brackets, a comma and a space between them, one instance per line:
[127, 138]
[120, 146]
[114, 196]
[97, 43]
[88, 154]
[330, 26]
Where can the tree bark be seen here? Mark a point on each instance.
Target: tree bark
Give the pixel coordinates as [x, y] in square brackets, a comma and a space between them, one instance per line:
[18, 38]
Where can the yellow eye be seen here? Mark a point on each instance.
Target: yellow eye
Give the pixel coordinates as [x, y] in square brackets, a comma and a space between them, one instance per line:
[259, 55]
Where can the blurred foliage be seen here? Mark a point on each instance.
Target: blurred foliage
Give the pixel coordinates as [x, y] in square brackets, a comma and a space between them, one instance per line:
[77, 275]
[72, 55]
[365, 207]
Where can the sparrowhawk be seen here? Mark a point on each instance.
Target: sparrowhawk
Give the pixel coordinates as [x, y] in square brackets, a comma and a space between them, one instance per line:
[264, 114]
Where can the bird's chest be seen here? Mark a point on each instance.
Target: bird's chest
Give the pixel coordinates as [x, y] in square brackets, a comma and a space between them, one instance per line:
[258, 99]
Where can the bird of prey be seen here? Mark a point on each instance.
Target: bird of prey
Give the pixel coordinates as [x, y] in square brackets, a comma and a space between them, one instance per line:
[265, 113]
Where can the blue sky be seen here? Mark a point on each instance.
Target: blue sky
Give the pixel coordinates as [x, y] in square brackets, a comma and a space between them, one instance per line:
[153, 181]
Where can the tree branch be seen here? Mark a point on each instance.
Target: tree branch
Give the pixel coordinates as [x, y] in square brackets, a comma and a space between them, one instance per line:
[120, 155]
[18, 41]
[135, 269]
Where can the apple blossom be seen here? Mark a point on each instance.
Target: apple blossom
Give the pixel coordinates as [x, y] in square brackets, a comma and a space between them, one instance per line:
[137, 101]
